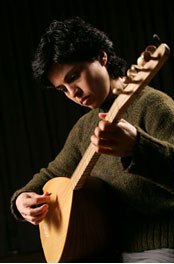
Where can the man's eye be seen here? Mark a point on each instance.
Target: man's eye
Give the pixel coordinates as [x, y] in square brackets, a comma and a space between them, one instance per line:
[72, 77]
[61, 89]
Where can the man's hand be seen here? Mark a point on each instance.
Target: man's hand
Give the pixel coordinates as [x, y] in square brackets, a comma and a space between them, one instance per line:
[32, 206]
[117, 138]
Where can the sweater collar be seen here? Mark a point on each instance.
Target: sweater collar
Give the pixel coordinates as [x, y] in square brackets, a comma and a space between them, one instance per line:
[106, 105]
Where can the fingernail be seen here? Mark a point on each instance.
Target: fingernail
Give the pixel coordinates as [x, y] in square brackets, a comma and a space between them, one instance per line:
[48, 193]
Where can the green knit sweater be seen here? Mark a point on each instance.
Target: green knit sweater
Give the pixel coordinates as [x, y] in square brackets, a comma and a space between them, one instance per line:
[145, 182]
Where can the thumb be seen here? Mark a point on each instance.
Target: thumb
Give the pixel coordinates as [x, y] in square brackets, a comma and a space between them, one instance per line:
[46, 194]
[102, 115]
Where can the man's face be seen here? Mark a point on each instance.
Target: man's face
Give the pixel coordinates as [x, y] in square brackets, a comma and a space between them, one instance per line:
[85, 83]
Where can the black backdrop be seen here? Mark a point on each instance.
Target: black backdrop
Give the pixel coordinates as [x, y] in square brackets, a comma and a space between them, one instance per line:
[34, 123]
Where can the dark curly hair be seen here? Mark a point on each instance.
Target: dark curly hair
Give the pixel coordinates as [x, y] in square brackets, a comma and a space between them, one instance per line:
[74, 40]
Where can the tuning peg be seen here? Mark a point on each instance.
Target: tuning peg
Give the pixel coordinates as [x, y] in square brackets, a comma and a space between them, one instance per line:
[126, 80]
[151, 49]
[157, 39]
[132, 72]
[146, 55]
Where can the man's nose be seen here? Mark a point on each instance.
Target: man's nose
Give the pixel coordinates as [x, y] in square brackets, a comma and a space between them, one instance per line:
[73, 91]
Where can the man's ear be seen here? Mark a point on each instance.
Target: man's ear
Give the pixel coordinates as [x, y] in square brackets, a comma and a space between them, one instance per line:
[103, 58]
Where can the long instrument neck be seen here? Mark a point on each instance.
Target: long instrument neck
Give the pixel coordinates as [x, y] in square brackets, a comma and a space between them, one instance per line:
[90, 157]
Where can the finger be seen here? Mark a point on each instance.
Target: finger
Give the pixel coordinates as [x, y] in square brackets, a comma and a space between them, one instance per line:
[103, 150]
[39, 200]
[111, 133]
[40, 218]
[36, 218]
[38, 210]
[95, 140]
[100, 128]
[104, 125]
[33, 199]
[46, 194]
[107, 126]
[102, 115]
[34, 211]
[104, 140]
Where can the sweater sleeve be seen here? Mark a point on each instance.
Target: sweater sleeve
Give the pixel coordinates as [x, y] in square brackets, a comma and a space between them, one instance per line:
[65, 162]
[154, 150]
[63, 165]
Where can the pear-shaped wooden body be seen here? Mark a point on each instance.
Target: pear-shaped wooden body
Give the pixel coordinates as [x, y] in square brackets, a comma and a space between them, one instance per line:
[53, 229]
[81, 225]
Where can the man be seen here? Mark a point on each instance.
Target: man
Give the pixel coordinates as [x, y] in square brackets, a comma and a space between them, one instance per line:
[137, 151]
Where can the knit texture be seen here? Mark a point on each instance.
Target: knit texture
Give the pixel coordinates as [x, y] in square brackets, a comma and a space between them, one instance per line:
[144, 181]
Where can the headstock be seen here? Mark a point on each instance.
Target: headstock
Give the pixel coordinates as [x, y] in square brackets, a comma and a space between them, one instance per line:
[148, 64]
[138, 76]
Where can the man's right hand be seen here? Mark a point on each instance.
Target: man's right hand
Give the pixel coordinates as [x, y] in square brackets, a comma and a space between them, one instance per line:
[32, 206]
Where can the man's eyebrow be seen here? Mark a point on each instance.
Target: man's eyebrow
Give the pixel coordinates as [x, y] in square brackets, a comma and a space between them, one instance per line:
[73, 69]
[64, 79]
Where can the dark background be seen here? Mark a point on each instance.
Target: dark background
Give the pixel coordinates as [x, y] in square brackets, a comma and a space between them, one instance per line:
[34, 123]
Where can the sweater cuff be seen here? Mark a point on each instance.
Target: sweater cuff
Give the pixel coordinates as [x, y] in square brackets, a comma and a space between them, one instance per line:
[13, 207]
